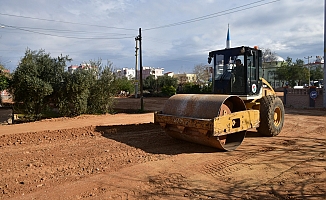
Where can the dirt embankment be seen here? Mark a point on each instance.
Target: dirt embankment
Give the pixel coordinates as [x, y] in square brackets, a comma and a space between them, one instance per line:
[126, 156]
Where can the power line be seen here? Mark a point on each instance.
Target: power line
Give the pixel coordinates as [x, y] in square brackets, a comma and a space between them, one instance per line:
[125, 36]
[71, 37]
[218, 14]
[65, 22]
[225, 12]
[221, 13]
[68, 31]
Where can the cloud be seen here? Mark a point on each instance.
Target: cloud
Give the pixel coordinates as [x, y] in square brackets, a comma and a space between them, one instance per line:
[176, 34]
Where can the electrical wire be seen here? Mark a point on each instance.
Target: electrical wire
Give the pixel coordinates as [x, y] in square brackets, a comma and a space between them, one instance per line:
[71, 37]
[218, 14]
[51, 20]
[205, 17]
[124, 36]
[69, 31]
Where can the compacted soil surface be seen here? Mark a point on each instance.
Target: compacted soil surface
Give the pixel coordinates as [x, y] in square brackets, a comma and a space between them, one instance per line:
[126, 156]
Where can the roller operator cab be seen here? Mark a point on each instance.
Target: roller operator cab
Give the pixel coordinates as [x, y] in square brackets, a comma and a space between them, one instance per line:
[237, 71]
[241, 100]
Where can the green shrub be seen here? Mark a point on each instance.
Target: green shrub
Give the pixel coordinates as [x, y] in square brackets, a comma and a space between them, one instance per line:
[168, 90]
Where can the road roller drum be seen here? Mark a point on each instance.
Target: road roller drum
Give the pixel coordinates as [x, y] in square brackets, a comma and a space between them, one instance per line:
[218, 121]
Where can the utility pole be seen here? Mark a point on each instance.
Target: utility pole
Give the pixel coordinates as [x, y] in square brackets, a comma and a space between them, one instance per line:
[136, 69]
[308, 67]
[140, 71]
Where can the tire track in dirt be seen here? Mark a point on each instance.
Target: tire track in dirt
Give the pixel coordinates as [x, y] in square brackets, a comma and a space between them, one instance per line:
[31, 161]
[227, 166]
[171, 186]
[291, 183]
[222, 167]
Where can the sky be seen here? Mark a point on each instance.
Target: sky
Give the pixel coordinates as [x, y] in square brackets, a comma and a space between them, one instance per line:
[177, 35]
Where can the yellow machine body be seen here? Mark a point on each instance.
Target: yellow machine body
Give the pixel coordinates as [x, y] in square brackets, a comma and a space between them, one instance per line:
[241, 99]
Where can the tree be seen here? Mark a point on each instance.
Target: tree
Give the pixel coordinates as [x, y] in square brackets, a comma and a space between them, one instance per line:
[74, 92]
[123, 84]
[40, 82]
[167, 85]
[302, 71]
[191, 88]
[281, 73]
[166, 81]
[291, 72]
[150, 84]
[156, 85]
[4, 80]
[203, 73]
[317, 73]
[168, 90]
[102, 92]
[88, 90]
[35, 81]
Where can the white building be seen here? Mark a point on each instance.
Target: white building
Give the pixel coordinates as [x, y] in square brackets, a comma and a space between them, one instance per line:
[270, 64]
[156, 72]
[147, 71]
[319, 59]
[84, 66]
[126, 72]
[170, 74]
[185, 78]
[318, 62]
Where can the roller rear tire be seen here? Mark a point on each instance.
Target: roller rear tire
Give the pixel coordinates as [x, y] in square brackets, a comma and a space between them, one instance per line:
[271, 116]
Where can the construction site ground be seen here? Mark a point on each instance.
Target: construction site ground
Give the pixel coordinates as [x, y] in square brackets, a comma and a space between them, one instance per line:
[126, 156]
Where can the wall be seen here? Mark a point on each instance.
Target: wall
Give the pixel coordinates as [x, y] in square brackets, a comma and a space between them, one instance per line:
[300, 98]
[6, 115]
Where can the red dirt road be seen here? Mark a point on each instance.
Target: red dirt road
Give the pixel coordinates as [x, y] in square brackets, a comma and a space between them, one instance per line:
[125, 156]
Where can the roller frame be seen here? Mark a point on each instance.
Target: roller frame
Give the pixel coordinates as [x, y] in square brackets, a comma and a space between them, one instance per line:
[218, 126]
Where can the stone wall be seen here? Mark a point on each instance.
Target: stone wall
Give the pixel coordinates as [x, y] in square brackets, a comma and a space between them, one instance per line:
[300, 98]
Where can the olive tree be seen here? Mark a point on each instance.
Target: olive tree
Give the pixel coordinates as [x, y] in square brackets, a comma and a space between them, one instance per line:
[89, 90]
[101, 97]
[150, 84]
[167, 81]
[34, 83]
[124, 84]
[74, 92]
[165, 84]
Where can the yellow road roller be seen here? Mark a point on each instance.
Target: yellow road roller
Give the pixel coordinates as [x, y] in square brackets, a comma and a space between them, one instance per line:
[241, 99]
